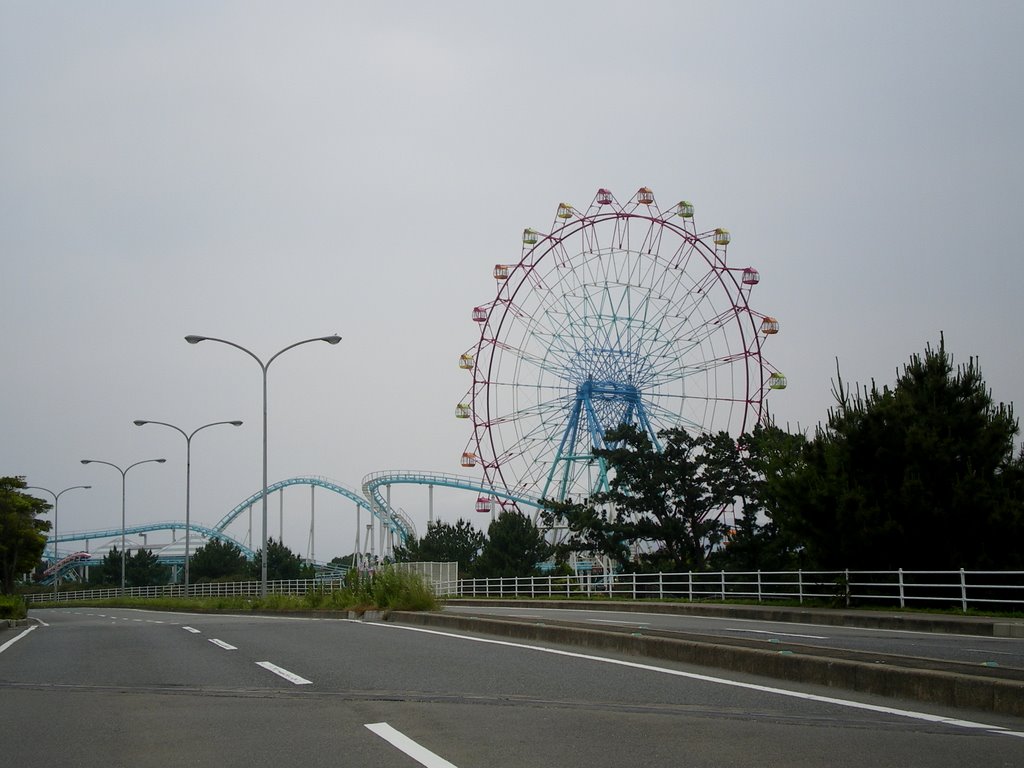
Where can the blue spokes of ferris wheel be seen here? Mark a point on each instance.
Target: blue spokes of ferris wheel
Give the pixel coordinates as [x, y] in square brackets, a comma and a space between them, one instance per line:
[598, 406]
[600, 350]
[620, 315]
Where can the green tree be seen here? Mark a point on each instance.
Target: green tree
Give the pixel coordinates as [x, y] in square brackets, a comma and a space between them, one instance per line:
[444, 543]
[282, 564]
[218, 560]
[755, 540]
[141, 569]
[108, 573]
[144, 569]
[348, 560]
[22, 533]
[922, 475]
[514, 547]
[663, 509]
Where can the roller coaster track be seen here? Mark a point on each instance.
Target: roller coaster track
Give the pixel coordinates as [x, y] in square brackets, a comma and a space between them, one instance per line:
[210, 533]
[372, 484]
[312, 480]
[371, 499]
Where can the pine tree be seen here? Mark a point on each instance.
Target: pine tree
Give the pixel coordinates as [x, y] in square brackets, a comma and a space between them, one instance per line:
[514, 547]
[217, 560]
[922, 475]
[663, 509]
[444, 543]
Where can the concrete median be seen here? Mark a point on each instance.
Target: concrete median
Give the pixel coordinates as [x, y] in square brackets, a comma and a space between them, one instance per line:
[955, 689]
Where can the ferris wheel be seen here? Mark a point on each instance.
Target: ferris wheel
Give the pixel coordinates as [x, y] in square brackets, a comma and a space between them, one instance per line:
[621, 314]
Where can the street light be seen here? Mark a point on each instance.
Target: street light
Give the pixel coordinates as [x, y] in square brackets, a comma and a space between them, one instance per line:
[188, 474]
[56, 499]
[123, 473]
[264, 366]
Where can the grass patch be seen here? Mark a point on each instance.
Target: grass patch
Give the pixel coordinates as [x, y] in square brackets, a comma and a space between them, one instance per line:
[12, 607]
[384, 590]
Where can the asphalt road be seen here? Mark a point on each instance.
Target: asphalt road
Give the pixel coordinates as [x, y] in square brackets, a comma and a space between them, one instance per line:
[120, 687]
[1004, 652]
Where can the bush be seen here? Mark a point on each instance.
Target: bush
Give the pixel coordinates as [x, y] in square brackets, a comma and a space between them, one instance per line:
[386, 589]
[12, 607]
[402, 591]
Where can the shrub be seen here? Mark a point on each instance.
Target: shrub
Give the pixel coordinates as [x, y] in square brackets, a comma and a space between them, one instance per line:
[386, 589]
[12, 607]
[402, 591]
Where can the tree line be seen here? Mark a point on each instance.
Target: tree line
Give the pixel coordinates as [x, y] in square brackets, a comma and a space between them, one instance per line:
[216, 560]
[512, 546]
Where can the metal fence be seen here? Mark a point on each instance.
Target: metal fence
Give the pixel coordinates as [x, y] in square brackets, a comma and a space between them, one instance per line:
[982, 590]
[441, 577]
[214, 589]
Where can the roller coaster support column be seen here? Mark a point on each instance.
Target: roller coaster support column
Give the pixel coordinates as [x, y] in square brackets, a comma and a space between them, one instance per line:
[312, 525]
[383, 527]
[357, 553]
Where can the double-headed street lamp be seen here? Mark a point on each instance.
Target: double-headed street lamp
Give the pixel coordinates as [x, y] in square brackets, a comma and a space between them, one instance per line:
[123, 473]
[56, 500]
[264, 366]
[188, 475]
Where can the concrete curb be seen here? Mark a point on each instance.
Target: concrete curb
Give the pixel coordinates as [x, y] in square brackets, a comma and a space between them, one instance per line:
[934, 687]
[6, 624]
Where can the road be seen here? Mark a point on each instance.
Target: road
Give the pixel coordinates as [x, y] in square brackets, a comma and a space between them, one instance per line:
[120, 687]
[1007, 653]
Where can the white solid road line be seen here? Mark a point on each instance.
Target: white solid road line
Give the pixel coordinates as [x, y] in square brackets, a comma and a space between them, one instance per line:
[15, 639]
[779, 634]
[908, 713]
[222, 644]
[611, 621]
[291, 677]
[400, 741]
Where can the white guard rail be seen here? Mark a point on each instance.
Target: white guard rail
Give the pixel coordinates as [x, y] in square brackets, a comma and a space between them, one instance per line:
[981, 590]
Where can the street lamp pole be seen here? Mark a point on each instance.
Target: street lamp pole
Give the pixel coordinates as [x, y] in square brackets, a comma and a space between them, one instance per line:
[188, 476]
[263, 367]
[123, 473]
[56, 500]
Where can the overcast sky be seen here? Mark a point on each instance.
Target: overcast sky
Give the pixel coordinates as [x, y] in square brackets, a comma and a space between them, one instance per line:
[266, 172]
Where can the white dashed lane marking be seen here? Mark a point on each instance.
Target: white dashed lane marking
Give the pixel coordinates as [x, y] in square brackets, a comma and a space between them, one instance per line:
[400, 741]
[291, 677]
